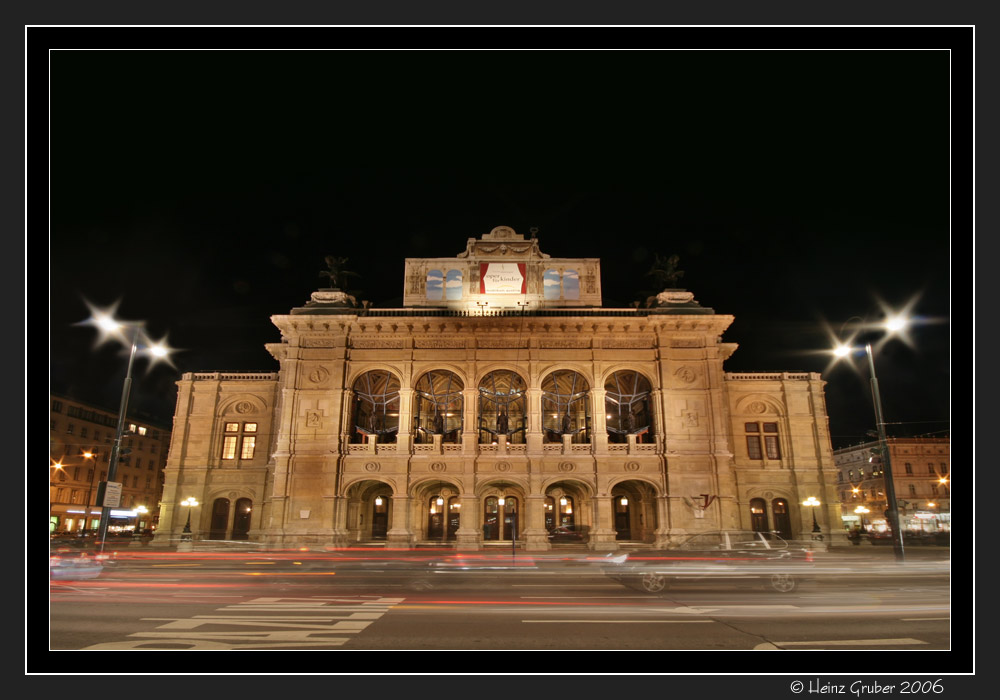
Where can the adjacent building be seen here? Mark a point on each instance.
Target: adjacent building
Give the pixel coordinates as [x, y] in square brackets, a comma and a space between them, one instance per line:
[500, 402]
[921, 474]
[80, 440]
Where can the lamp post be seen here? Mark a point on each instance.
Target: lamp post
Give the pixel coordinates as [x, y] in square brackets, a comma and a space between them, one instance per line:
[110, 328]
[861, 510]
[890, 487]
[811, 502]
[893, 323]
[102, 530]
[189, 503]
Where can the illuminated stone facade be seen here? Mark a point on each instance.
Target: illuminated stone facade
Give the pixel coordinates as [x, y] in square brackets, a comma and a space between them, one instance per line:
[502, 401]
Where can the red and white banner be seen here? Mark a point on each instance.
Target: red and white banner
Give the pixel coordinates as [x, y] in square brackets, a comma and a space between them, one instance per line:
[503, 278]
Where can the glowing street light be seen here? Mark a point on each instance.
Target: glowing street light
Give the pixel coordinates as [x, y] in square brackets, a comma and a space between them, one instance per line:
[895, 324]
[189, 503]
[811, 503]
[111, 328]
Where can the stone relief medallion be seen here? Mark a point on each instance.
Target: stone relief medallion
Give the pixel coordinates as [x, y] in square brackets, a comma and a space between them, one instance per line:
[313, 419]
[232, 494]
[438, 467]
[503, 467]
[691, 419]
[567, 467]
[372, 467]
[244, 407]
[757, 407]
[632, 467]
[685, 374]
[769, 495]
[320, 374]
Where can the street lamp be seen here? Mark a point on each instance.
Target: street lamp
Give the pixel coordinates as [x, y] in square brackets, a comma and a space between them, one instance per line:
[110, 328]
[189, 503]
[894, 323]
[811, 502]
[861, 510]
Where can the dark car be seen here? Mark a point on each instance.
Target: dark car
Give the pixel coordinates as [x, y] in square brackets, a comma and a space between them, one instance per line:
[569, 533]
[719, 556]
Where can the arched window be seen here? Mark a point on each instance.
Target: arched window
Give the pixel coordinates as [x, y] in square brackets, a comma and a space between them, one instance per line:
[627, 407]
[758, 515]
[571, 284]
[453, 285]
[376, 406]
[502, 407]
[551, 285]
[435, 285]
[438, 410]
[566, 406]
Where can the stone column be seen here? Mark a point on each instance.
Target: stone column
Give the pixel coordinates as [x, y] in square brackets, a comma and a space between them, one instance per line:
[339, 535]
[470, 533]
[662, 533]
[404, 436]
[603, 534]
[535, 536]
[534, 432]
[599, 438]
[401, 532]
[469, 435]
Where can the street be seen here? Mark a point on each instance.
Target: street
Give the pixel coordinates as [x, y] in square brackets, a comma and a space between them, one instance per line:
[346, 600]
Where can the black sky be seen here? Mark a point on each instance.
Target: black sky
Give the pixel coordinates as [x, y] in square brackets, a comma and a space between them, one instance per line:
[204, 189]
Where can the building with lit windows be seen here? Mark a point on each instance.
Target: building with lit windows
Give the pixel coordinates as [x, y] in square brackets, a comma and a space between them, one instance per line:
[921, 474]
[501, 402]
[80, 440]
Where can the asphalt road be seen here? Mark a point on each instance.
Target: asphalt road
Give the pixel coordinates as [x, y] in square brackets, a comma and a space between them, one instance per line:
[252, 601]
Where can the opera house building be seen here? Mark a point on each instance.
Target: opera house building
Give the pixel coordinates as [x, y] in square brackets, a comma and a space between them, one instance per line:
[501, 405]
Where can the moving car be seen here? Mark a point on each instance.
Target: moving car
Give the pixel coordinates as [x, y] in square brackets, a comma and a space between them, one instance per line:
[569, 533]
[727, 556]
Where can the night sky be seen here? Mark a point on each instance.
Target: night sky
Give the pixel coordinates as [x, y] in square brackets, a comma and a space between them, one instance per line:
[799, 188]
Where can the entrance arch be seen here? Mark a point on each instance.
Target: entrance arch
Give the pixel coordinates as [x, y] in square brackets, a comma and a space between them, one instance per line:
[782, 519]
[220, 519]
[241, 520]
[369, 510]
[634, 513]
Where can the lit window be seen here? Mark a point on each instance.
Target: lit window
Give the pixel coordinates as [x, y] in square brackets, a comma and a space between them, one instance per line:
[234, 438]
[248, 444]
[142, 430]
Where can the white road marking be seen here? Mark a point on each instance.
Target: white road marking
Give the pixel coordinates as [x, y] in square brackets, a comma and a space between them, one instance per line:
[620, 622]
[767, 646]
[256, 631]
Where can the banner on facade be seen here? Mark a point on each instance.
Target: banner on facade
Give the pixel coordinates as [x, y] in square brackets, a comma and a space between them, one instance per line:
[503, 278]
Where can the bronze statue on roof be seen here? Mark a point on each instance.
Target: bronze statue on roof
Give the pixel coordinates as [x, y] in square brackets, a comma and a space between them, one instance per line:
[337, 274]
[665, 271]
